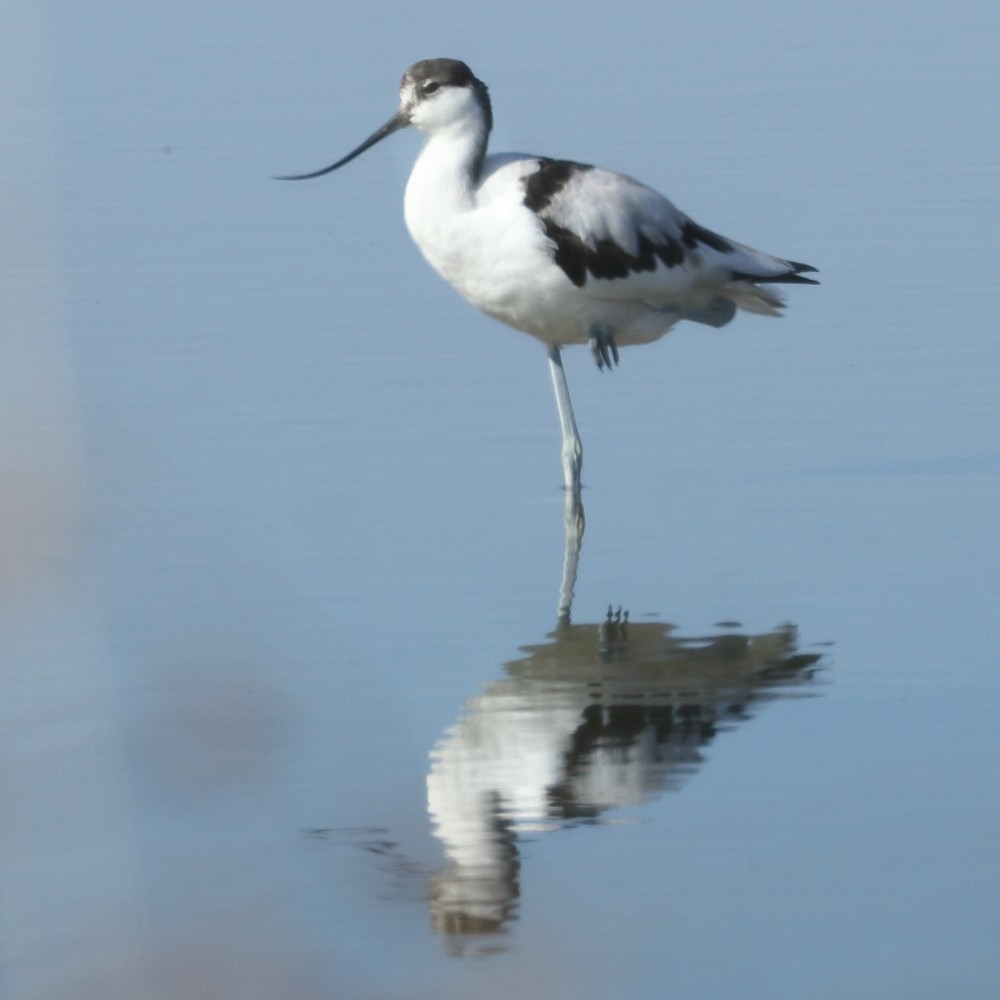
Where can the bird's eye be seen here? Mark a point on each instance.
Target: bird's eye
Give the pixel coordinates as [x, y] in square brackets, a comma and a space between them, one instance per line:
[430, 87]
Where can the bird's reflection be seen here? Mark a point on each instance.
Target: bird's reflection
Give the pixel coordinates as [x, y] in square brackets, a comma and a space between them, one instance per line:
[601, 715]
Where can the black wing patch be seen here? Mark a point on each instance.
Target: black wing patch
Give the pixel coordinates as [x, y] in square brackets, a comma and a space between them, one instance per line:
[548, 180]
[606, 259]
[692, 234]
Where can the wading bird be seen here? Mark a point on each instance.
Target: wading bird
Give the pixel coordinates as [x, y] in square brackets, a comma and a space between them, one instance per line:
[567, 252]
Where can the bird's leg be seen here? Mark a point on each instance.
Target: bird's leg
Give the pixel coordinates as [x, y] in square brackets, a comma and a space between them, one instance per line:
[573, 522]
[603, 346]
[572, 449]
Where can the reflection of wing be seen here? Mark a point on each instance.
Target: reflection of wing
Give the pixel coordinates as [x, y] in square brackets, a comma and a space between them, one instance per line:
[602, 716]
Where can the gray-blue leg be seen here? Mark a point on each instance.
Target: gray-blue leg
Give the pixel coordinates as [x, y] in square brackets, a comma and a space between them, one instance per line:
[572, 449]
[573, 522]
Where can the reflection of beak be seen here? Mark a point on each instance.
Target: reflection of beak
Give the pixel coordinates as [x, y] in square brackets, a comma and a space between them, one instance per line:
[399, 120]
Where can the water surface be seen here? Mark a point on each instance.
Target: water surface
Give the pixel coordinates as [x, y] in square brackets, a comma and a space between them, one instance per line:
[292, 702]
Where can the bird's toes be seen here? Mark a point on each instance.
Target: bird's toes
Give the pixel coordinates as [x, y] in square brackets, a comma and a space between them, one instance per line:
[603, 349]
[595, 353]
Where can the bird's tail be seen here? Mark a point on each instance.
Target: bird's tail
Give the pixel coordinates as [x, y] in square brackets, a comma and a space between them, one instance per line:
[748, 296]
[744, 288]
[744, 291]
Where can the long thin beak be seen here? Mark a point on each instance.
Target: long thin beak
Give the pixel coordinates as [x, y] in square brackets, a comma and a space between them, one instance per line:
[397, 121]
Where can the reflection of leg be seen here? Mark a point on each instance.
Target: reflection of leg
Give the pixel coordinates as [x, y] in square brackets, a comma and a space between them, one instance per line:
[603, 346]
[572, 449]
[574, 523]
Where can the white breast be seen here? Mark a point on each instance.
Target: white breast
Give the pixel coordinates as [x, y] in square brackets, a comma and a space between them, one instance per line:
[482, 239]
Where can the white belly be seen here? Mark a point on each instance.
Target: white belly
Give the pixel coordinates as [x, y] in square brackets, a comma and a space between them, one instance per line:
[493, 251]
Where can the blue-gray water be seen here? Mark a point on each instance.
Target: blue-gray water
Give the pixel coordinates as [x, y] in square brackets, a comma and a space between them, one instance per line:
[285, 709]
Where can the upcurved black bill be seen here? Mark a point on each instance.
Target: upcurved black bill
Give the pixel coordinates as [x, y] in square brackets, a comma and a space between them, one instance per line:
[397, 121]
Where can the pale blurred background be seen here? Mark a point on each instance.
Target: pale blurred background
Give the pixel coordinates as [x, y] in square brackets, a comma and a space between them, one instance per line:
[278, 513]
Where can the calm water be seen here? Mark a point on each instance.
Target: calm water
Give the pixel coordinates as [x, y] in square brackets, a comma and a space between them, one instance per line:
[288, 709]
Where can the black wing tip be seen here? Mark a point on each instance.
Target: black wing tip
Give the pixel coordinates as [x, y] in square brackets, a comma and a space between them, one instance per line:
[790, 277]
[798, 268]
[793, 279]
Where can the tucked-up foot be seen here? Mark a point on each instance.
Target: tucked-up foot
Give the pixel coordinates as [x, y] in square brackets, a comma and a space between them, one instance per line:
[603, 347]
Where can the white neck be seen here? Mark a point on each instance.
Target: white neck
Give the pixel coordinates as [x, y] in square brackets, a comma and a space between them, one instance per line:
[442, 187]
[454, 154]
